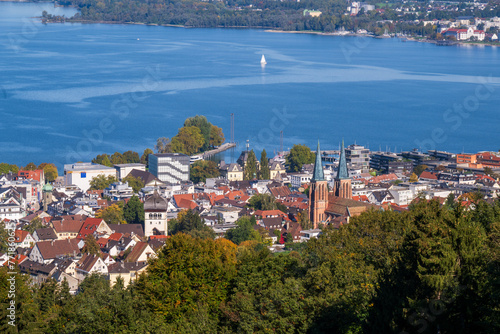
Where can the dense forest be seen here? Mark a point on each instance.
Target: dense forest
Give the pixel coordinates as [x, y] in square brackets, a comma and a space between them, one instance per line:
[284, 15]
[433, 269]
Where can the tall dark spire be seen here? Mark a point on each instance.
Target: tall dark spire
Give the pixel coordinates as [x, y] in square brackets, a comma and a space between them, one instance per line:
[342, 173]
[318, 167]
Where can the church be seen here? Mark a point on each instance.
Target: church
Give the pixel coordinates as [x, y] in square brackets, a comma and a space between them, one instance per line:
[337, 206]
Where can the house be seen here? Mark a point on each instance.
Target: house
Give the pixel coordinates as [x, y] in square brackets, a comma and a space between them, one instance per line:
[141, 252]
[464, 34]
[45, 234]
[123, 170]
[96, 226]
[38, 272]
[276, 170]
[290, 229]
[90, 264]
[47, 251]
[271, 224]
[231, 172]
[147, 178]
[67, 228]
[23, 239]
[128, 271]
[228, 214]
[127, 229]
[307, 235]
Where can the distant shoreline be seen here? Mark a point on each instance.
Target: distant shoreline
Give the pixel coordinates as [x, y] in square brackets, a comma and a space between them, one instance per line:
[348, 34]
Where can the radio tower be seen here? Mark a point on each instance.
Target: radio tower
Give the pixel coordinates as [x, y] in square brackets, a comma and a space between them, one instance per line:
[232, 128]
[281, 141]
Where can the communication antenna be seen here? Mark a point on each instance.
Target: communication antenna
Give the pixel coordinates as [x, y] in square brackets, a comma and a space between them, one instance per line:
[232, 128]
[281, 141]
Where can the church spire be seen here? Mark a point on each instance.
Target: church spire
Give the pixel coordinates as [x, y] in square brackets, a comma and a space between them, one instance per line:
[318, 167]
[342, 173]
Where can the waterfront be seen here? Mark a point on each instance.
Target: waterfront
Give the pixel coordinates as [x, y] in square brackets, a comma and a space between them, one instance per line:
[72, 91]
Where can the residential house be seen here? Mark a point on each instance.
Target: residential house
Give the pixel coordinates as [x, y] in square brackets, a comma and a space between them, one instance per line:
[47, 251]
[141, 252]
[231, 172]
[23, 239]
[128, 271]
[96, 226]
[90, 264]
[45, 234]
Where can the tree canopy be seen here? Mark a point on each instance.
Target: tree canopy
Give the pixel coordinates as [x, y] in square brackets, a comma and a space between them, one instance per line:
[203, 169]
[299, 155]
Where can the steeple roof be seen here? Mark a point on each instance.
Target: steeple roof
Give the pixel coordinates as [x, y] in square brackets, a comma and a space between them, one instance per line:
[342, 173]
[318, 167]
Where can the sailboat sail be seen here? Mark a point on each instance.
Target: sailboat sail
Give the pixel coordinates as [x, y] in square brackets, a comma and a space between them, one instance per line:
[263, 60]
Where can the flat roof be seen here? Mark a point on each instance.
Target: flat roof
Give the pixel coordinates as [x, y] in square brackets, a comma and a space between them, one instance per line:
[164, 155]
[86, 166]
[130, 165]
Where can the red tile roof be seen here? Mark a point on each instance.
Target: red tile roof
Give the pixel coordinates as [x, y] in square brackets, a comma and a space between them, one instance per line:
[428, 175]
[20, 235]
[89, 227]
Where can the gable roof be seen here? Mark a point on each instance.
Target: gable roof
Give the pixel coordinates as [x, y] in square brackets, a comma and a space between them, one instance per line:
[137, 251]
[87, 262]
[55, 248]
[146, 177]
[89, 227]
[126, 229]
[20, 235]
[47, 233]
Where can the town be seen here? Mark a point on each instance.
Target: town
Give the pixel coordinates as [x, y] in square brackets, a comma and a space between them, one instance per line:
[111, 220]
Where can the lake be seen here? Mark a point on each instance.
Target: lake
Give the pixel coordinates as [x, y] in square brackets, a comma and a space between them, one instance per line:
[71, 91]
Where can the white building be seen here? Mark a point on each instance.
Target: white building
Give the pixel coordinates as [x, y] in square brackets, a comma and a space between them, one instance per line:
[170, 167]
[298, 179]
[81, 173]
[118, 191]
[122, 170]
[155, 211]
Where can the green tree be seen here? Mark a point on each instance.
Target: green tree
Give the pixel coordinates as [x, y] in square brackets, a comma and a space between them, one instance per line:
[264, 173]
[216, 136]
[203, 169]
[262, 202]
[189, 275]
[34, 224]
[205, 128]
[91, 246]
[49, 171]
[419, 169]
[102, 159]
[101, 182]
[163, 145]
[131, 157]
[117, 158]
[6, 168]
[251, 170]
[135, 182]
[134, 211]
[190, 222]
[244, 231]
[112, 214]
[30, 166]
[145, 156]
[188, 141]
[299, 155]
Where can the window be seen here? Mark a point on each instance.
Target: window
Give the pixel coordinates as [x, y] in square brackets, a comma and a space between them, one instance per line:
[83, 175]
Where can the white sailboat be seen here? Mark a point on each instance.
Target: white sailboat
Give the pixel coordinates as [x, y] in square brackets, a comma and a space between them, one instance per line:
[263, 60]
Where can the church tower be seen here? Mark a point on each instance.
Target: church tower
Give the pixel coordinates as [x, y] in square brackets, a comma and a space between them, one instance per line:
[46, 195]
[342, 183]
[155, 211]
[318, 193]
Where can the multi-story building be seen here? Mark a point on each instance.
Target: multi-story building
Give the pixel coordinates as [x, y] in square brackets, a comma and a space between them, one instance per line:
[118, 191]
[81, 173]
[390, 163]
[170, 167]
[358, 156]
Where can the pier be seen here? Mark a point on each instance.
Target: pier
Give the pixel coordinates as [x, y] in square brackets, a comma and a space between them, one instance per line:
[222, 148]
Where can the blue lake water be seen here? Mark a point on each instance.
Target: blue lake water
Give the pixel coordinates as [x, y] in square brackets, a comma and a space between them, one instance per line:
[71, 91]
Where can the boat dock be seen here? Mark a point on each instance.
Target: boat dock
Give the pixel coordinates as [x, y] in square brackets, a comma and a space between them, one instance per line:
[222, 148]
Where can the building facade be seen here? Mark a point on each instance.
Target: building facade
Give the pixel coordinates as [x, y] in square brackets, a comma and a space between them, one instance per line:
[81, 173]
[155, 211]
[170, 167]
[358, 157]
